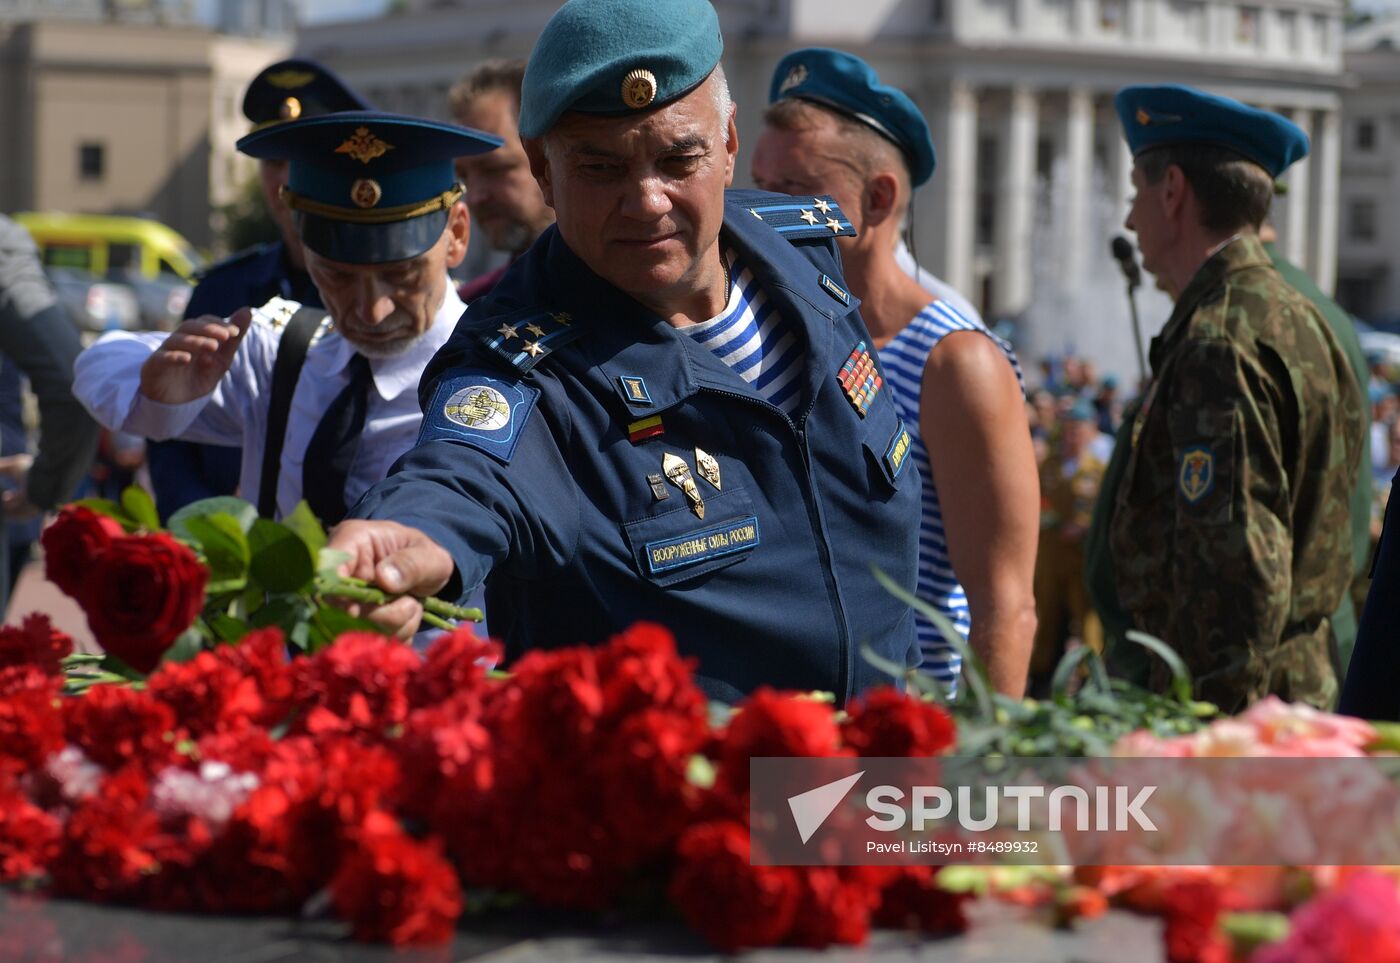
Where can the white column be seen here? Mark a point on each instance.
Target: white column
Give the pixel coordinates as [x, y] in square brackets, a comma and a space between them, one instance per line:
[1079, 170]
[950, 207]
[1293, 228]
[1016, 203]
[1326, 189]
[1121, 179]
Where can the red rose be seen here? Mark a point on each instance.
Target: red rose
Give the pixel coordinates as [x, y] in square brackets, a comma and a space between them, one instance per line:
[73, 543]
[772, 724]
[142, 593]
[36, 643]
[886, 722]
[726, 899]
[395, 889]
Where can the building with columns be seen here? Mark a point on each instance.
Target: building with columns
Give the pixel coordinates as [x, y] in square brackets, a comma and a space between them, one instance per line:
[1368, 270]
[1033, 176]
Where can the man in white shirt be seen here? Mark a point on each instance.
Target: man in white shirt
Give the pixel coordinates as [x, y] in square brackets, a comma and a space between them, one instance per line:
[378, 208]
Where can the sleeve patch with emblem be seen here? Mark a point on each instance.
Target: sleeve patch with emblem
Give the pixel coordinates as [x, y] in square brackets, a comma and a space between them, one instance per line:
[1195, 477]
[484, 411]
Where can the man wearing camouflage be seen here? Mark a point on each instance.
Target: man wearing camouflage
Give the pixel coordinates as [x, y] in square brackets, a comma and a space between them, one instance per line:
[1230, 530]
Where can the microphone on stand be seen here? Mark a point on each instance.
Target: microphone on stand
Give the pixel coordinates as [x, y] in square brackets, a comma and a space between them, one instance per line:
[1122, 251]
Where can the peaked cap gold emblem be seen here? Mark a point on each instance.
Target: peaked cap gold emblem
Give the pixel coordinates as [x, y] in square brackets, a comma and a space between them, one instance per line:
[639, 88]
[366, 192]
[291, 78]
[290, 109]
[364, 146]
[1143, 117]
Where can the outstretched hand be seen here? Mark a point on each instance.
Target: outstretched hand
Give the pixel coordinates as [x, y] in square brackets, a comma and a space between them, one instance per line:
[398, 559]
[190, 363]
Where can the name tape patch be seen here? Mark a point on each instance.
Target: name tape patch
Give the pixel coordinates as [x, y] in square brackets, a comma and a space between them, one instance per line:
[897, 454]
[481, 410]
[726, 538]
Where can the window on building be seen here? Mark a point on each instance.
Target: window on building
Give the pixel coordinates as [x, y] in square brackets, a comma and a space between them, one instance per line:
[1288, 26]
[1361, 220]
[937, 11]
[1044, 157]
[1357, 294]
[92, 161]
[987, 161]
[1365, 134]
[1111, 14]
[1247, 25]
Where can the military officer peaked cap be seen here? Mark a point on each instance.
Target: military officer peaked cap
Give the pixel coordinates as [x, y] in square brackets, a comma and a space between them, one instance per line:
[1158, 116]
[369, 188]
[292, 89]
[848, 85]
[617, 57]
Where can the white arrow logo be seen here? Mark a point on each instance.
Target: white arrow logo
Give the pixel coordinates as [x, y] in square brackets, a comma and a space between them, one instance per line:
[810, 808]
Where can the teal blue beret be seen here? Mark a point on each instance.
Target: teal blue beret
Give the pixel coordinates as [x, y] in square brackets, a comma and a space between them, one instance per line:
[1174, 114]
[616, 57]
[1081, 410]
[369, 188]
[848, 85]
[290, 89]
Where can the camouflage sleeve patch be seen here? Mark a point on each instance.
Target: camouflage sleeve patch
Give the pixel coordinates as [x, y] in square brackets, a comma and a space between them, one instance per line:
[486, 412]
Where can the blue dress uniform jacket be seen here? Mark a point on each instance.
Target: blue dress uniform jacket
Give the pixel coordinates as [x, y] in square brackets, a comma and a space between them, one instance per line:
[550, 500]
[185, 471]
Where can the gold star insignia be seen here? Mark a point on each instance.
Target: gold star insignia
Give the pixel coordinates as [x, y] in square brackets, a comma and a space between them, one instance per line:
[562, 317]
[755, 214]
[508, 331]
[809, 217]
[834, 224]
[535, 329]
[821, 205]
[533, 349]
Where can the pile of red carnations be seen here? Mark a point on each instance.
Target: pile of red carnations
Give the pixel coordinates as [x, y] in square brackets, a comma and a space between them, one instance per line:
[242, 781]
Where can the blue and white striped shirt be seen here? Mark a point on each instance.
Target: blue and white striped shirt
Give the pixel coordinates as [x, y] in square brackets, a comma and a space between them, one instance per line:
[755, 340]
[903, 360]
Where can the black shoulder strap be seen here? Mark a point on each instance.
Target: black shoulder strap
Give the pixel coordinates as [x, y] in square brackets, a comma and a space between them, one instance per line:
[291, 355]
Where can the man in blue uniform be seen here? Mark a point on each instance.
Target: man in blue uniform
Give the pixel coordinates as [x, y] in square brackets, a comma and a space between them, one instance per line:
[669, 408]
[184, 471]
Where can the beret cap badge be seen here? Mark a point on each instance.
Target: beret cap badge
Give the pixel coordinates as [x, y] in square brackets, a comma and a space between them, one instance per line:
[795, 77]
[364, 146]
[638, 88]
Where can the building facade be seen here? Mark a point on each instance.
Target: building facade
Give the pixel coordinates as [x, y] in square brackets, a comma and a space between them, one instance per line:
[1368, 270]
[121, 117]
[1033, 176]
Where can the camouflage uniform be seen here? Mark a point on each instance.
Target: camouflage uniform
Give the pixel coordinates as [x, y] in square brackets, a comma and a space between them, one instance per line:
[1231, 532]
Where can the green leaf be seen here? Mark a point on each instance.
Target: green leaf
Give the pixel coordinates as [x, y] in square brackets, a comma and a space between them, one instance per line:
[280, 561]
[222, 543]
[141, 507]
[1064, 671]
[307, 526]
[237, 508]
[333, 621]
[1181, 678]
[227, 628]
[111, 509]
[284, 611]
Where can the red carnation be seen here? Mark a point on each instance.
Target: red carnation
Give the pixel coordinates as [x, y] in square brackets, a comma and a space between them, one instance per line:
[115, 725]
[36, 642]
[206, 694]
[73, 544]
[395, 889]
[454, 663]
[31, 726]
[360, 682]
[142, 593]
[107, 840]
[886, 722]
[723, 896]
[772, 724]
[834, 906]
[1192, 909]
[1359, 922]
[913, 900]
[262, 655]
[28, 835]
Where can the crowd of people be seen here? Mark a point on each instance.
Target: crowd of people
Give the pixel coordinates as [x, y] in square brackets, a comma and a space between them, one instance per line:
[737, 412]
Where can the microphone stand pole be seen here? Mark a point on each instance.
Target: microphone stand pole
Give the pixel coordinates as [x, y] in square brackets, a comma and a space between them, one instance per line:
[1137, 334]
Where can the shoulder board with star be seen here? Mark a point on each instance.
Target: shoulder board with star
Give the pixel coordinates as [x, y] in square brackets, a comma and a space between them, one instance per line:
[801, 218]
[238, 257]
[276, 314]
[525, 338]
